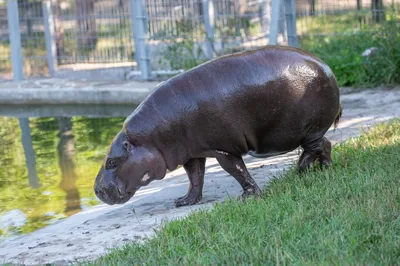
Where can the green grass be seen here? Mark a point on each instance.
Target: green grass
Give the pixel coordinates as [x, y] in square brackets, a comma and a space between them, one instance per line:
[345, 215]
[340, 40]
[342, 54]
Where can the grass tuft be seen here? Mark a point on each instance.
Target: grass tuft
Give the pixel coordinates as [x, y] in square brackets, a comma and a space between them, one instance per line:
[347, 214]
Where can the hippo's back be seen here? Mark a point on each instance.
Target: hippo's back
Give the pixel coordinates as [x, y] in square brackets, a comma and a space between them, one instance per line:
[249, 73]
[265, 100]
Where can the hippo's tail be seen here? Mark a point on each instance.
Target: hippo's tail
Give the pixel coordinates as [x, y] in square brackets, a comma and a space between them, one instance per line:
[339, 115]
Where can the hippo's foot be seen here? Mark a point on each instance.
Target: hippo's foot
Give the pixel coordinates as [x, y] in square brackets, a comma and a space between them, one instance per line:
[189, 199]
[320, 152]
[254, 191]
[195, 169]
[235, 166]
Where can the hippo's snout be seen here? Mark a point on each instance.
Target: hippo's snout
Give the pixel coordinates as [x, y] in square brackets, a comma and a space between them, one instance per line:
[110, 192]
[111, 195]
[107, 195]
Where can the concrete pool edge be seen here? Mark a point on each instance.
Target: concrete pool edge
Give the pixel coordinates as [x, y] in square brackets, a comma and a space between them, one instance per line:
[57, 91]
[63, 91]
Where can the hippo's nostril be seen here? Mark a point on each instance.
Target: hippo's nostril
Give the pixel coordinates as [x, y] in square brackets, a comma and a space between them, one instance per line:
[121, 188]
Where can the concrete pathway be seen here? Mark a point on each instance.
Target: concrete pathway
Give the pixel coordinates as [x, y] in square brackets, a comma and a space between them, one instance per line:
[89, 234]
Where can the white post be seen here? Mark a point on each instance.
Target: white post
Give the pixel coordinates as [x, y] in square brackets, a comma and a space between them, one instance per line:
[140, 33]
[15, 39]
[51, 46]
[290, 8]
[274, 27]
[209, 24]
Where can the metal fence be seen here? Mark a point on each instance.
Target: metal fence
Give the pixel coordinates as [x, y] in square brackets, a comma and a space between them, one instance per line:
[110, 39]
[79, 35]
[322, 18]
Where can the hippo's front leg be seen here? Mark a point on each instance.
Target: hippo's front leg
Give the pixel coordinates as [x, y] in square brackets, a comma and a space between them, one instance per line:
[195, 169]
[235, 166]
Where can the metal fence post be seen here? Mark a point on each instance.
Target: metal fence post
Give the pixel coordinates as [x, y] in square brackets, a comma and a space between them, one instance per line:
[290, 9]
[209, 23]
[263, 14]
[140, 36]
[15, 39]
[49, 35]
[282, 22]
[274, 26]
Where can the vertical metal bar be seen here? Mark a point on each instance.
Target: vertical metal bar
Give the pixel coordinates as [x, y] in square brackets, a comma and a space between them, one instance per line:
[51, 47]
[263, 13]
[140, 33]
[134, 27]
[209, 23]
[15, 39]
[281, 21]
[274, 27]
[290, 8]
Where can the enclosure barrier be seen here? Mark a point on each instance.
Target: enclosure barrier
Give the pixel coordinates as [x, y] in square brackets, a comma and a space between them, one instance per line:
[139, 17]
[123, 39]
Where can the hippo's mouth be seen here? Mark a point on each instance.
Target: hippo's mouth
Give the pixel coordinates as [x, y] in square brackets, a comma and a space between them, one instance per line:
[112, 196]
[125, 198]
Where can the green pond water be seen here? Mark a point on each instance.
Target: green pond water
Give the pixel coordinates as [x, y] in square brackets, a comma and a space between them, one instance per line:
[48, 165]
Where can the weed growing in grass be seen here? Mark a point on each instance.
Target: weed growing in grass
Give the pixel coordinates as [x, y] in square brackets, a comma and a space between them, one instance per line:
[385, 65]
[347, 214]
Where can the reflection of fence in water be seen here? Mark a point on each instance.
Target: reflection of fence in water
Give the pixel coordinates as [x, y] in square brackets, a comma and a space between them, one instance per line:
[50, 163]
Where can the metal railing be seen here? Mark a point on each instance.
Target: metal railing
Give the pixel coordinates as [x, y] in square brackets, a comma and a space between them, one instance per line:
[120, 39]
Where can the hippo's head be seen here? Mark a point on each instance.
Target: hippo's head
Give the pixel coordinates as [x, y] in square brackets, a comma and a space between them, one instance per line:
[126, 168]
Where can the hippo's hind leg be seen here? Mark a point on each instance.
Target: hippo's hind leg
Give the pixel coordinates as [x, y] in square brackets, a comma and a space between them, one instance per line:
[318, 150]
[324, 157]
[195, 169]
[235, 166]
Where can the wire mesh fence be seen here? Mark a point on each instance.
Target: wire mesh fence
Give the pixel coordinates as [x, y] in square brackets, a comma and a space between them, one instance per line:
[95, 39]
[346, 34]
[178, 33]
[343, 17]
[5, 53]
[32, 38]
[97, 36]
[94, 35]
[88, 36]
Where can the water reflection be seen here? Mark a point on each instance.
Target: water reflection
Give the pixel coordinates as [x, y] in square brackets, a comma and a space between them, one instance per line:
[48, 166]
[26, 140]
[66, 150]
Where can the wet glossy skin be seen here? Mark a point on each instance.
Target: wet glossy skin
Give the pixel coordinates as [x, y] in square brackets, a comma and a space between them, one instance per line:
[262, 102]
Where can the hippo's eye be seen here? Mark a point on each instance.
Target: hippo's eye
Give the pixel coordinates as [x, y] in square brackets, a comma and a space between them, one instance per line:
[126, 145]
[111, 164]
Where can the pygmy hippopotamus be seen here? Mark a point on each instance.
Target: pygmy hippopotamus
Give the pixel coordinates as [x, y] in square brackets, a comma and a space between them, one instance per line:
[262, 102]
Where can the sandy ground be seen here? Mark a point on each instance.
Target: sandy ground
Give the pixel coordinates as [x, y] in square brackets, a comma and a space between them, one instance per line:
[91, 233]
